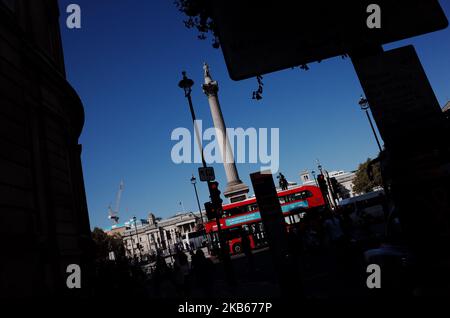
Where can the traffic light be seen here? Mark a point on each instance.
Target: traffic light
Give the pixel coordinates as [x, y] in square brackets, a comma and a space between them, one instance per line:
[322, 184]
[215, 193]
[334, 185]
[210, 211]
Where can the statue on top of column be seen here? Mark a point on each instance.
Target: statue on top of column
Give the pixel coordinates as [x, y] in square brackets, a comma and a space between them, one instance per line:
[210, 87]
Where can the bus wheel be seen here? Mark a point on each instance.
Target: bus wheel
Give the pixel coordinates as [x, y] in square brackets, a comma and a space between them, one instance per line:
[237, 248]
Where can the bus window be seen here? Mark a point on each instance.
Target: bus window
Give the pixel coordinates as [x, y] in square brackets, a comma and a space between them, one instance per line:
[287, 220]
[302, 195]
[237, 210]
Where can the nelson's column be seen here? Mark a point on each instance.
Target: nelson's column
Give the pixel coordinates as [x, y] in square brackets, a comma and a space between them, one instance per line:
[236, 190]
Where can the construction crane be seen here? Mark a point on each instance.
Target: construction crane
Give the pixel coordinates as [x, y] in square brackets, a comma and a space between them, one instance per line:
[114, 214]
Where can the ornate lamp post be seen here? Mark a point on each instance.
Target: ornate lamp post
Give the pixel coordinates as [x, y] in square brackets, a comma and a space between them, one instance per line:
[364, 104]
[193, 182]
[137, 237]
[314, 176]
[186, 84]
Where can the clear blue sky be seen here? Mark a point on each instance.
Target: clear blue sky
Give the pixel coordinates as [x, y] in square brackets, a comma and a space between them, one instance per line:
[125, 64]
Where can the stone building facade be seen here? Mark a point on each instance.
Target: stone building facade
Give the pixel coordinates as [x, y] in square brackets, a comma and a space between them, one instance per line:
[165, 235]
[344, 178]
[43, 212]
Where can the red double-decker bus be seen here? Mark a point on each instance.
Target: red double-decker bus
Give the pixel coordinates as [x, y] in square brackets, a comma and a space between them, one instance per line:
[245, 214]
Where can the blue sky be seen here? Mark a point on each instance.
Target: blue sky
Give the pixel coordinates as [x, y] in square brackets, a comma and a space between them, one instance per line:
[125, 63]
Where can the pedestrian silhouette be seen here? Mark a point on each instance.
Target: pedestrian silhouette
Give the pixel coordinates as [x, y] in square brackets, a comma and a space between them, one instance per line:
[181, 273]
[161, 273]
[202, 269]
[247, 250]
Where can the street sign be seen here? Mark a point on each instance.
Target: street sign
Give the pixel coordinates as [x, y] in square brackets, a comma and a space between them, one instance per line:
[412, 125]
[401, 98]
[259, 37]
[206, 174]
[274, 226]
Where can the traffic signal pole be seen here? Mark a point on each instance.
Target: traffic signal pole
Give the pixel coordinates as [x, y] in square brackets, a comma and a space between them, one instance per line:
[224, 255]
[224, 252]
[187, 84]
[324, 189]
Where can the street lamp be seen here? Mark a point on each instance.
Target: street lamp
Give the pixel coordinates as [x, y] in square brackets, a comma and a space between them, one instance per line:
[194, 181]
[314, 176]
[137, 236]
[186, 84]
[364, 104]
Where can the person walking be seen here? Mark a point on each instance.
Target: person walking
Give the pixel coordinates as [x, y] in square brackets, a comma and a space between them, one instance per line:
[202, 269]
[247, 250]
[181, 273]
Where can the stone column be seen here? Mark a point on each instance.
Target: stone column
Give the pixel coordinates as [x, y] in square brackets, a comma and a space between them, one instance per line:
[235, 187]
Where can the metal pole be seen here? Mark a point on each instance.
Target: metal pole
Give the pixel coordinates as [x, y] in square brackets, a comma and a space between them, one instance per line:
[314, 176]
[200, 210]
[373, 130]
[137, 238]
[364, 104]
[194, 120]
[198, 203]
[225, 256]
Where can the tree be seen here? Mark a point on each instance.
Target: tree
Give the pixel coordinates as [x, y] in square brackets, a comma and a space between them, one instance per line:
[362, 182]
[199, 16]
[105, 243]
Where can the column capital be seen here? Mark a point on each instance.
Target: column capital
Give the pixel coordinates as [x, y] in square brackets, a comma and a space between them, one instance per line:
[211, 88]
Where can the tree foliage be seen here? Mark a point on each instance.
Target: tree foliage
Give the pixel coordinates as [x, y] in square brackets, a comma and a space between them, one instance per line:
[105, 243]
[362, 182]
[199, 16]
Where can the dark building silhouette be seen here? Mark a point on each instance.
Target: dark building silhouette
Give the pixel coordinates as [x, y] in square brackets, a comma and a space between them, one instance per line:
[446, 110]
[44, 220]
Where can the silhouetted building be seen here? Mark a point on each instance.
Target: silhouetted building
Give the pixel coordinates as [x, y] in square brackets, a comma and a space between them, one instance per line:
[446, 110]
[43, 211]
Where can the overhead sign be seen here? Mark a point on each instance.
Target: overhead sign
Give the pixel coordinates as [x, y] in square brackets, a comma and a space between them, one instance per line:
[259, 37]
[206, 174]
[401, 98]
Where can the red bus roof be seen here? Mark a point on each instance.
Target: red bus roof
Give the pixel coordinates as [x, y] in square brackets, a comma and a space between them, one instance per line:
[283, 193]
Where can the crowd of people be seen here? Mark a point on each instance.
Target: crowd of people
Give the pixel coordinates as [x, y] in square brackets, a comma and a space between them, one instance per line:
[181, 276]
[323, 228]
[188, 271]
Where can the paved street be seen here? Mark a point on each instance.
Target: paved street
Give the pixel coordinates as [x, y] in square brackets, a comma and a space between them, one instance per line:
[321, 279]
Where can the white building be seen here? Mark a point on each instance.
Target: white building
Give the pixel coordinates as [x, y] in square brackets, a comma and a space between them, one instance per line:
[344, 178]
[154, 235]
